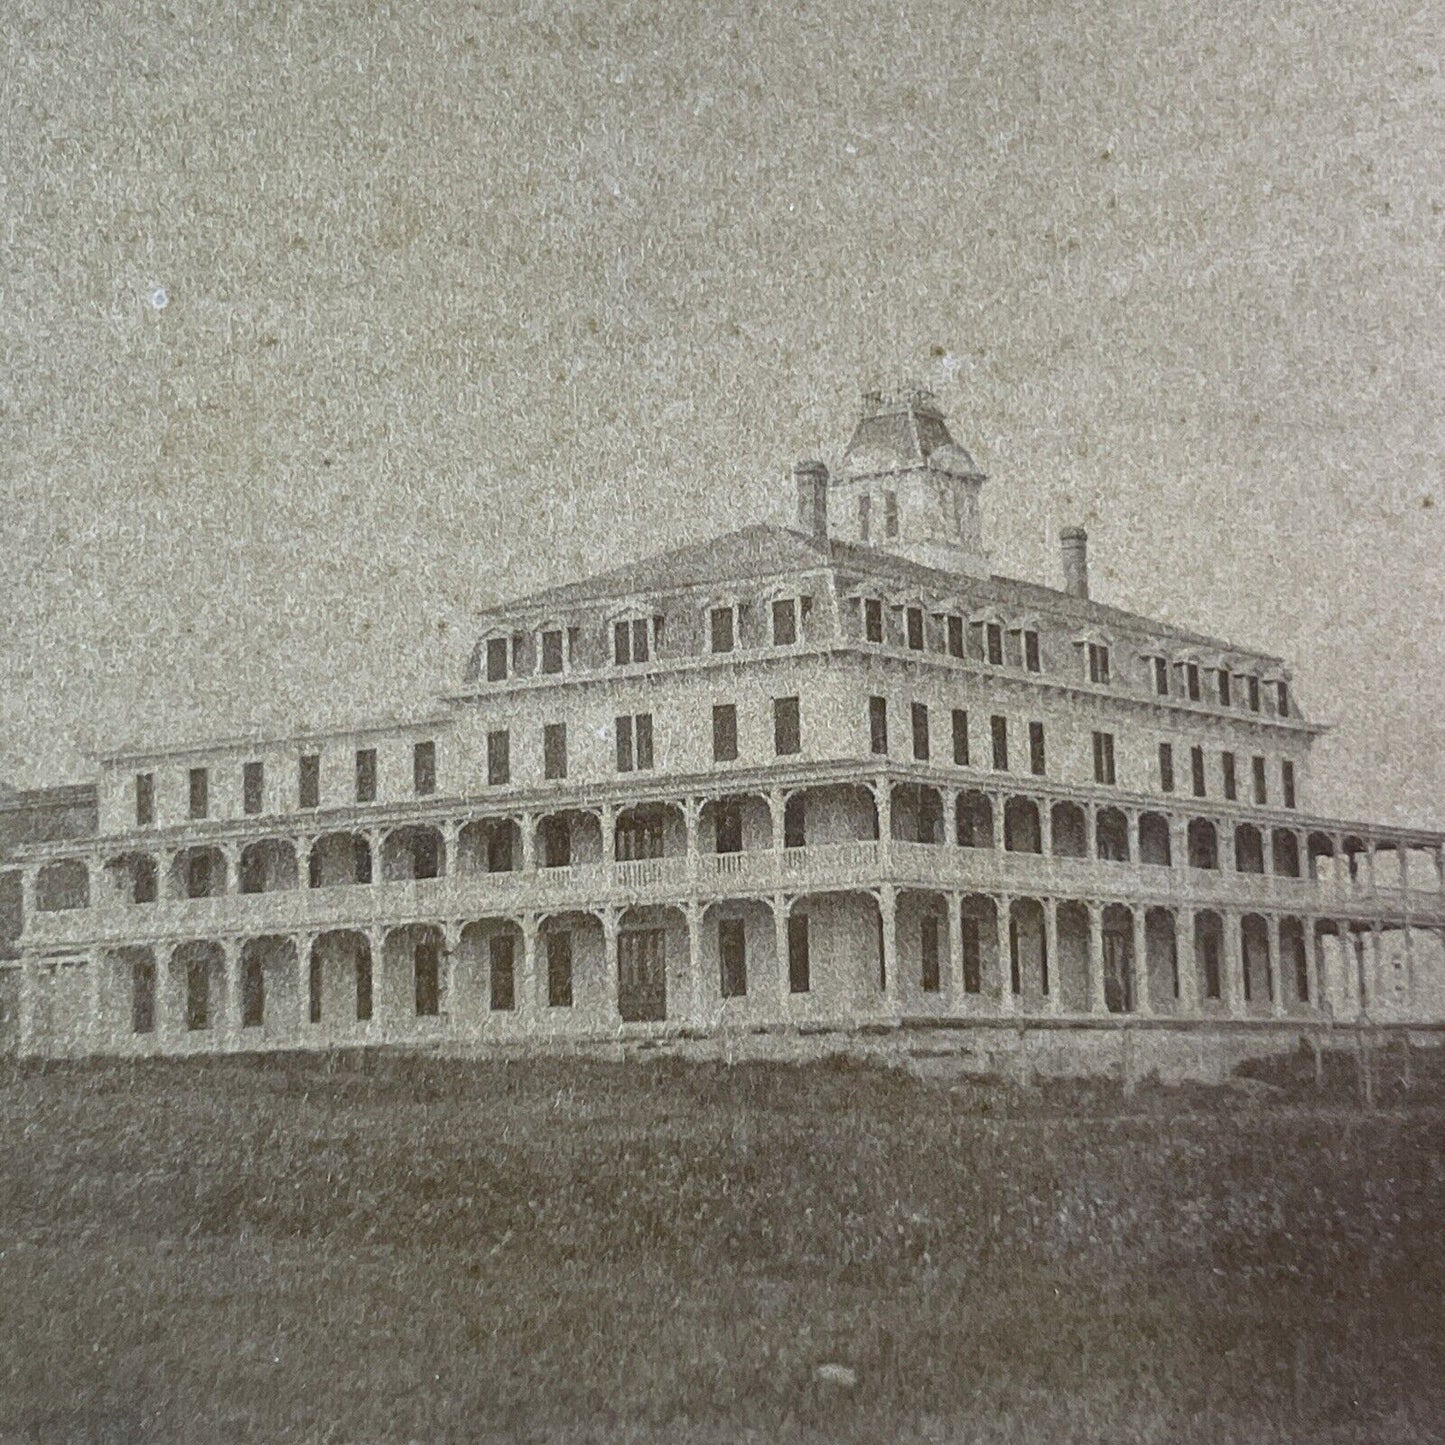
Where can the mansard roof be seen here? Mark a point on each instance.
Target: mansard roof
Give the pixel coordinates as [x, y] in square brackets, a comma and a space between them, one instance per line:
[765, 550]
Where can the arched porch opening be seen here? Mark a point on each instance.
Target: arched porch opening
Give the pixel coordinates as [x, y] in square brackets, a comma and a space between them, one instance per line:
[568, 838]
[1030, 967]
[339, 981]
[267, 964]
[832, 961]
[652, 963]
[1319, 846]
[197, 969]
[1161, 969]
[1257, 964]
[267, 865]
[973, 820]
[416, 851]
[1112, 830]
[917, 811]
[337, 859]
[133, 877]
[1154, 845]
[1070, 831]
[572, 958]
[136, 966]
[737, 823]
[1294, 966]
[491, 845]
[921, 922]
[1120, 976]
[649, 830]
[415, 956]
[984, 968]
[1072, 933]
[1352, 848]
[198, 872]
[1022, 832]
[489, 971]
[1248, 849]
[1209, 955]
[1203, 844]
[1284, 850]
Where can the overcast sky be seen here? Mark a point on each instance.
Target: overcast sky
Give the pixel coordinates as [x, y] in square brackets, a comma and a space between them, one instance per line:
[327, 324]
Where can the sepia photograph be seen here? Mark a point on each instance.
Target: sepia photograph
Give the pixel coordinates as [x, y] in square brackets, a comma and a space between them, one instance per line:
[722, 723]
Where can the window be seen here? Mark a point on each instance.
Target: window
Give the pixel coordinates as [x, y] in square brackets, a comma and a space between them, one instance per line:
[499, 757]
[253, 787]
[795, 821]
[721, 628]
[955, 635]
[1283, 698]
[930, 977]
[1191, 680]
[1104, 758]
[426, 978]
[1286, 777]
[878, 724]
[143, 996]
[972, 955]
[999, 728]
[145, 799]
[366, 775]
[424, 768]
[559, 970]
[799, 965]
[873, 619]
[1031, 650]
[920, 732]
[1231, 784]
[1252, 684]
[634, 743]
[960, 737]
[865, 515]
[1161, 676]
[995, 643]
[1098, 663]
[1196, 771]
[629, 641]
[1209, 947]
[787, 726]
[308, 781]
[1225, 692]
[552, 650]
[1261, 792]
[496, 659]
[502, 951]
[200, 788]
[915, 628]
[147, 884]
[554, 751]
[1037, 764]
[890, 514]
[1166, 768]
[732, 957]
[785, 622]
[725, 733]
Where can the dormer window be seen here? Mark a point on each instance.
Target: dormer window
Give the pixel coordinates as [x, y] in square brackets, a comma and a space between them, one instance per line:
[865, 515]
[955, 635]
[915, 628]
[1161, 676]
[1283, 688]
[1191, 681]
[497, 655]
[993, 633]
[551, 650]
[1226, 693]
[1031, 650]
[1099, 663]
[1252, 692]
[722, 628]
[632, 639]
[785, 622]
[873, 619]
[890, 514]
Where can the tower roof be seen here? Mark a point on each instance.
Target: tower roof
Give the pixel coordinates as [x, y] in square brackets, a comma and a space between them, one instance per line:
[908, 430]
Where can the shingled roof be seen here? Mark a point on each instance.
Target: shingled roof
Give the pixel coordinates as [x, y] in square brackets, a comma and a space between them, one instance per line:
[765, 550]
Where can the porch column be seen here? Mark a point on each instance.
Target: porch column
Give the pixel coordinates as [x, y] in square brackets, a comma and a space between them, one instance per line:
[1055, 962]
[527, 827]
[96, 1023]
[228, 1009]
[691, 816]
[1140, 916]
[28, 877]
[1409, 967]
[950, 817]
[1186, 962]
[1228, 854]
[168, 1016]
[1232, 982]
[1376, 949]
[26, 1006]
[995, 803]
[1097, 1002]
[451, 831]
[611, 1006]
[1370, 868]
[451, 942]
[1002, 917]
[1046, 828]
[780, 945]
[529, 993]
[1178, 842]
[883, 792]
[955, 950]
[607, 821]
[304, 944]
[888, 907]
[1131, 834]
[380, 1003]
[691, 1002]
[1274, 937]
[231, 861]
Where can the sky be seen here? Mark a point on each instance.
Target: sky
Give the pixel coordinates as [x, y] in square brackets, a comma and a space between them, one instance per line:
[327, 324]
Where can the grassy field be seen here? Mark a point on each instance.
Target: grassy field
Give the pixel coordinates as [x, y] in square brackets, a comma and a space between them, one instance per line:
[390, 1249]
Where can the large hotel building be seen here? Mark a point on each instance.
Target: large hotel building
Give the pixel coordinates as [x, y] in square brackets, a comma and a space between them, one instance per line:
[822, 777]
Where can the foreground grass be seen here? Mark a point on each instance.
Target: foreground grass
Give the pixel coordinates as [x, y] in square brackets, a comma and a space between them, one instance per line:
[392, 1249]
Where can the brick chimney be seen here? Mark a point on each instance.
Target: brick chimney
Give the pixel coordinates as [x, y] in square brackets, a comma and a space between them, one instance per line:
[1075, 542]
[811, 478]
